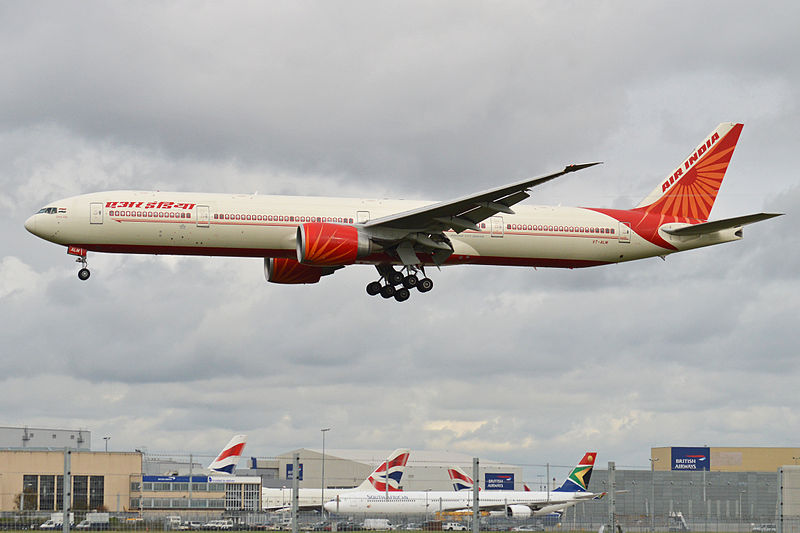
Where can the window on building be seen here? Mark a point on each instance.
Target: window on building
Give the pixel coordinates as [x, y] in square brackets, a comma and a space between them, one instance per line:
[59, 492]
[233, 496]
[96, 492]
[47, 493]
[80, 493]
[30, 493]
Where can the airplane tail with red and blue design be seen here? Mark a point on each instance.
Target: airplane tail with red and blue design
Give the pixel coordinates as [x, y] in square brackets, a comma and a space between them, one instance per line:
[578, 479]
[390, 473]
[228, 458]
[460, 479]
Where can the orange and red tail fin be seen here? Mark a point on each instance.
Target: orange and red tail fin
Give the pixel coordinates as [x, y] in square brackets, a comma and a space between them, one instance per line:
[689, 192]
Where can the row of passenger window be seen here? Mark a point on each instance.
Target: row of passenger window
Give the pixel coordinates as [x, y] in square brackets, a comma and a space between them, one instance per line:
[150, 214]
[281, 218]
[567, 229]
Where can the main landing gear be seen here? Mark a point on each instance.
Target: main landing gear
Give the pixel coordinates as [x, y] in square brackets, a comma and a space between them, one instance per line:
[395, 283]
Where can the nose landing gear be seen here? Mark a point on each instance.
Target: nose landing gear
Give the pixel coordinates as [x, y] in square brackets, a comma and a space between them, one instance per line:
[83, 273]
[393, 283]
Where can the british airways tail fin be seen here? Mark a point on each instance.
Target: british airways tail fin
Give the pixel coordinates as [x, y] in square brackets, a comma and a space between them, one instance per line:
[460, 479]
[228, 458]
[578, 479]
[390, 471]
[690, 190]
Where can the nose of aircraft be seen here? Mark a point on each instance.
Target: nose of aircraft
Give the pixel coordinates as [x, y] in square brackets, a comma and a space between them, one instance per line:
[30, 224]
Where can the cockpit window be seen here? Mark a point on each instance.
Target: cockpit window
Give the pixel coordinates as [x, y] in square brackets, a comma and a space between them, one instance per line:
[48, 210]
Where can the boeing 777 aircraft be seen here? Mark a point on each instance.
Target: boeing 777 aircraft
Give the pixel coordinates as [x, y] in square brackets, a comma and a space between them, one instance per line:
[304, 238]
[509, 503]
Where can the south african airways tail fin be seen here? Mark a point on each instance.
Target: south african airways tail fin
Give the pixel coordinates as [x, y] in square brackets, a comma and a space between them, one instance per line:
[578, 479]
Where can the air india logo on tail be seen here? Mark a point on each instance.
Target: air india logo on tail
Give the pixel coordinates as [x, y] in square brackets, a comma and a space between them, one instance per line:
[688, 194]
[690, 162]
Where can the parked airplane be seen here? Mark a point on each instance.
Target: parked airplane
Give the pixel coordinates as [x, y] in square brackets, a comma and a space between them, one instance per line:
[228, 458]
[376, 482]
[304, 238]
[510, 503]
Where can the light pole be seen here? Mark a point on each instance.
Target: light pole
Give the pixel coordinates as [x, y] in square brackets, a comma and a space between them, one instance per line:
[653, 494]
[322, 493]
[106, 439]
[741, 514]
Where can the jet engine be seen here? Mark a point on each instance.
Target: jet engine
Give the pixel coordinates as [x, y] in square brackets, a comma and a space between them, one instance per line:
[518, 511]
[289, 271]
[326, 244]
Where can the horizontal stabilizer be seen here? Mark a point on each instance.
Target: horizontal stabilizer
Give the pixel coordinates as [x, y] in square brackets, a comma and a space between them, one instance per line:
[719, 225]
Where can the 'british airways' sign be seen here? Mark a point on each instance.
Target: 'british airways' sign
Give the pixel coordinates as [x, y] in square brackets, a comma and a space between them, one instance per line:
[691, 459]
[499, 481]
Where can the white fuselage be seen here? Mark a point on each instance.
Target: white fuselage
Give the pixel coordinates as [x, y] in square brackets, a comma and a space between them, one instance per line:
[281, 499]
[421, 502]
[266, 226]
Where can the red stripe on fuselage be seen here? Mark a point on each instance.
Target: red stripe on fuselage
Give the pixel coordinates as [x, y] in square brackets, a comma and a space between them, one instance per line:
[373, 259]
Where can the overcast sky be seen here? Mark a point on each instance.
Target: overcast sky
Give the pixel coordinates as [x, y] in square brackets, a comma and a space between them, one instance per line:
[426, 100]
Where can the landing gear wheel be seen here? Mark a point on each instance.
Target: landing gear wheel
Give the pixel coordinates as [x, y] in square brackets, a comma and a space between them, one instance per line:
[387, 291]
[374, 288]
[83, 274]
[394, 277]
[402, 294]
[410, 281]
[425, 284]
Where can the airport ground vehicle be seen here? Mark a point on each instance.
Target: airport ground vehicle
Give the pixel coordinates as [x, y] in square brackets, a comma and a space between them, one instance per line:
[453, 526]
[57, 520]
[94, 521]
[378, 524]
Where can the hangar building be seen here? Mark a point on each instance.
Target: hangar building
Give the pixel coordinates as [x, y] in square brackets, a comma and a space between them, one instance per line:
[425, 470]
[33, 479]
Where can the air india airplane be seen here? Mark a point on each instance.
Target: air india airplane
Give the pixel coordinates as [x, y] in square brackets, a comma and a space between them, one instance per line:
[304, 238]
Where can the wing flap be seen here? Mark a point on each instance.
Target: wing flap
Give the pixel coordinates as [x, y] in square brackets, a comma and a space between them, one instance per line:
[474, 207]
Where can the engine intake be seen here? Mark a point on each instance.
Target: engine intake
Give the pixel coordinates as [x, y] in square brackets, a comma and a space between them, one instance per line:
[518, 511]
[326, 244]
[289, 271]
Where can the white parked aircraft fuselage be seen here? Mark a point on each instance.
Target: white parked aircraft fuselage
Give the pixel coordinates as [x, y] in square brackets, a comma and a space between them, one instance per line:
[421, 502]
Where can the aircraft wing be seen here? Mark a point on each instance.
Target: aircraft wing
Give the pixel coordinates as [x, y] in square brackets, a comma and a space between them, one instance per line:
[463, 213]
[552, 502]
[718, 225]
[422, 230]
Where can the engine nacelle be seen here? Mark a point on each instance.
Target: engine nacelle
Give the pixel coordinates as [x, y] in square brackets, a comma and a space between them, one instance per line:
[289, 271]
[518, 511]
[326, 244]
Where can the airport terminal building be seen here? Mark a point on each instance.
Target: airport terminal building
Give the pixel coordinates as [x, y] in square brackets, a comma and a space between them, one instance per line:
[685, 488]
